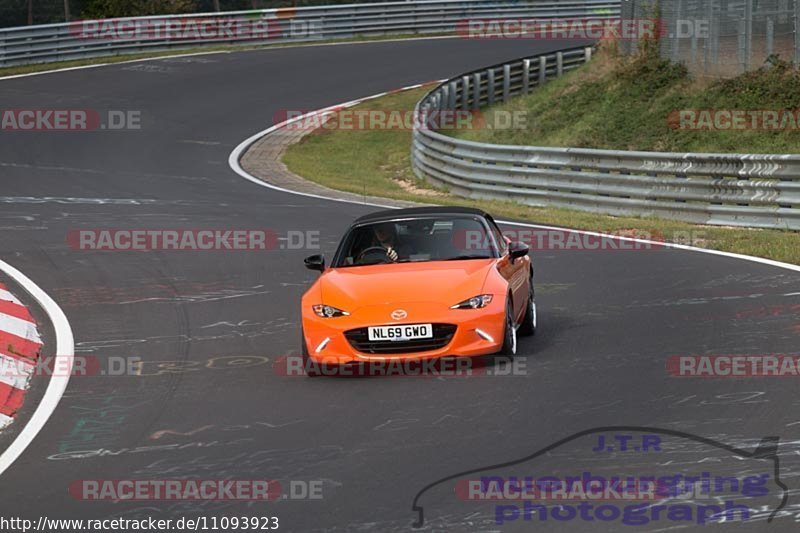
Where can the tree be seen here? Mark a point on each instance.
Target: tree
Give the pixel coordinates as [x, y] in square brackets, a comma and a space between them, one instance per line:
[96, 9]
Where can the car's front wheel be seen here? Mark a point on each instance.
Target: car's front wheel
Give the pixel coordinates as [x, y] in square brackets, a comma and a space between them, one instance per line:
[509, 332]
[528, 326]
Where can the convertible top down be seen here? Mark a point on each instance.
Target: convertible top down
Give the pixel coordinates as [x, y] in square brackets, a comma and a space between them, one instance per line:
[419, 283]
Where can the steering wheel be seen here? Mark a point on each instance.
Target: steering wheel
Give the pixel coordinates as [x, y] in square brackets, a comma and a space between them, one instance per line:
[373, 250]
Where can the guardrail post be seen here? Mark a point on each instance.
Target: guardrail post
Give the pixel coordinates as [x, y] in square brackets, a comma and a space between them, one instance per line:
[451, 101]
[490, 86]
[748, 33]
[559, 64]
[770, 36]
[444, 97]
[476, 90]
[715, 33]
[465, 92]
[587, 54]
[742, 46]
[506, 81]
[526, 76]
[542, 69]
[709, 41]
[676, 39]
[796, 32]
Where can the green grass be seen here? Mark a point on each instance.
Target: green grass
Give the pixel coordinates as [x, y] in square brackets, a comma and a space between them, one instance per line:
[376, 162]
[41, 67]
[625, 104]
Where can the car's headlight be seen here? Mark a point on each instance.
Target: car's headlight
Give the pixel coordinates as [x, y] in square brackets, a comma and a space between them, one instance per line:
[328, 311]
[476, 302]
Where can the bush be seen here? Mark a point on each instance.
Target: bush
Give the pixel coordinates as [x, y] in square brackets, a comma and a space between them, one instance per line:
[96, 9]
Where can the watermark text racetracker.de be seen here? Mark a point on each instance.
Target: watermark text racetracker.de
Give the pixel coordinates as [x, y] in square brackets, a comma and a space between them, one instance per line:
[361, 119]
[24, 120]
[706, 120]
[734, 366]
[175, 489]
[443, 367]
[13, 368]
[560, 240]
[271, 25]
[581, 28]
[194, 240]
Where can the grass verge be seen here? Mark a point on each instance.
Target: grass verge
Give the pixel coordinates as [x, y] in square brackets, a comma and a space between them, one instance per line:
[377, 162]
[633, 103]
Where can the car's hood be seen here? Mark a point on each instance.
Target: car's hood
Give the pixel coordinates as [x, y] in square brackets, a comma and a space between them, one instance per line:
[447, 282]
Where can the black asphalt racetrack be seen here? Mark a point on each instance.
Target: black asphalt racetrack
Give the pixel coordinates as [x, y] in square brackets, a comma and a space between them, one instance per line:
[208, 326]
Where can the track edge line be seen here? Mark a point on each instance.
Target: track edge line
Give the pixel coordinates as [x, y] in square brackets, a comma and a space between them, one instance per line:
[65, 354]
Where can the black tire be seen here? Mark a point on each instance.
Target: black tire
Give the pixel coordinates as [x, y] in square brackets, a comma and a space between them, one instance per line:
[528, 326]
[509, 332]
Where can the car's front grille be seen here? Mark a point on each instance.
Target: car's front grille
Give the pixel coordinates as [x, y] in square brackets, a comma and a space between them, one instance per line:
[442, 335]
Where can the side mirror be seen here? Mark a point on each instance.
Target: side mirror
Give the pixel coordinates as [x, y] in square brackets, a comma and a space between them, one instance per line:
[517, 250]
[315, 262]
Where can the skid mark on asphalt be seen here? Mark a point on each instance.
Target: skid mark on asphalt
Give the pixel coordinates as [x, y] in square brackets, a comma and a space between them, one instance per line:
[200, 298]
[99, 423]
[150, 68]
[396, 425]
[239, 427]
[178, 291]
[105, 453]
[70, 200]
[774, 281]
[104, 172]
[266, 330]
[204, 143]
[240, 324]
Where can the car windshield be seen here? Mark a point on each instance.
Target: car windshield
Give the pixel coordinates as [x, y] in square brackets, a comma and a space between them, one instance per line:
[416, 240]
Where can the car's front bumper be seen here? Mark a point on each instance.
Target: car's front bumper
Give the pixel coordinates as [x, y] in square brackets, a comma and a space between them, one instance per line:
[478, 332]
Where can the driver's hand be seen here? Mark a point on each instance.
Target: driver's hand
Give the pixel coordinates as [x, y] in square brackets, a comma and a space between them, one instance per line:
[391, 253]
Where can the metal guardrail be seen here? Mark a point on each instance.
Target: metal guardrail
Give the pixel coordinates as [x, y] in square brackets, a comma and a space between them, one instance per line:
[754, 190]
[91, 39]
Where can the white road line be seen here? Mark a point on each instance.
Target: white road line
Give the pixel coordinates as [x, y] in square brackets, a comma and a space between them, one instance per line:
[258, 49]
[233, 158]
[19, 327]
[770, 262]
[236, 154]
[96, 65]
[65, 350]
[7, 296]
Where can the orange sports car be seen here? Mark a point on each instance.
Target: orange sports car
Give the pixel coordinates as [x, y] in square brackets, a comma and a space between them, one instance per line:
[416, 284]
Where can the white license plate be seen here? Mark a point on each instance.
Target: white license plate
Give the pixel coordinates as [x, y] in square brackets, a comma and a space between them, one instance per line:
[406, 332]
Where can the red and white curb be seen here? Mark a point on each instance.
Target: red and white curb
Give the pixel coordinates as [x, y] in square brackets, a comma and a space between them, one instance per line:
[20, 345]
[18, 331]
